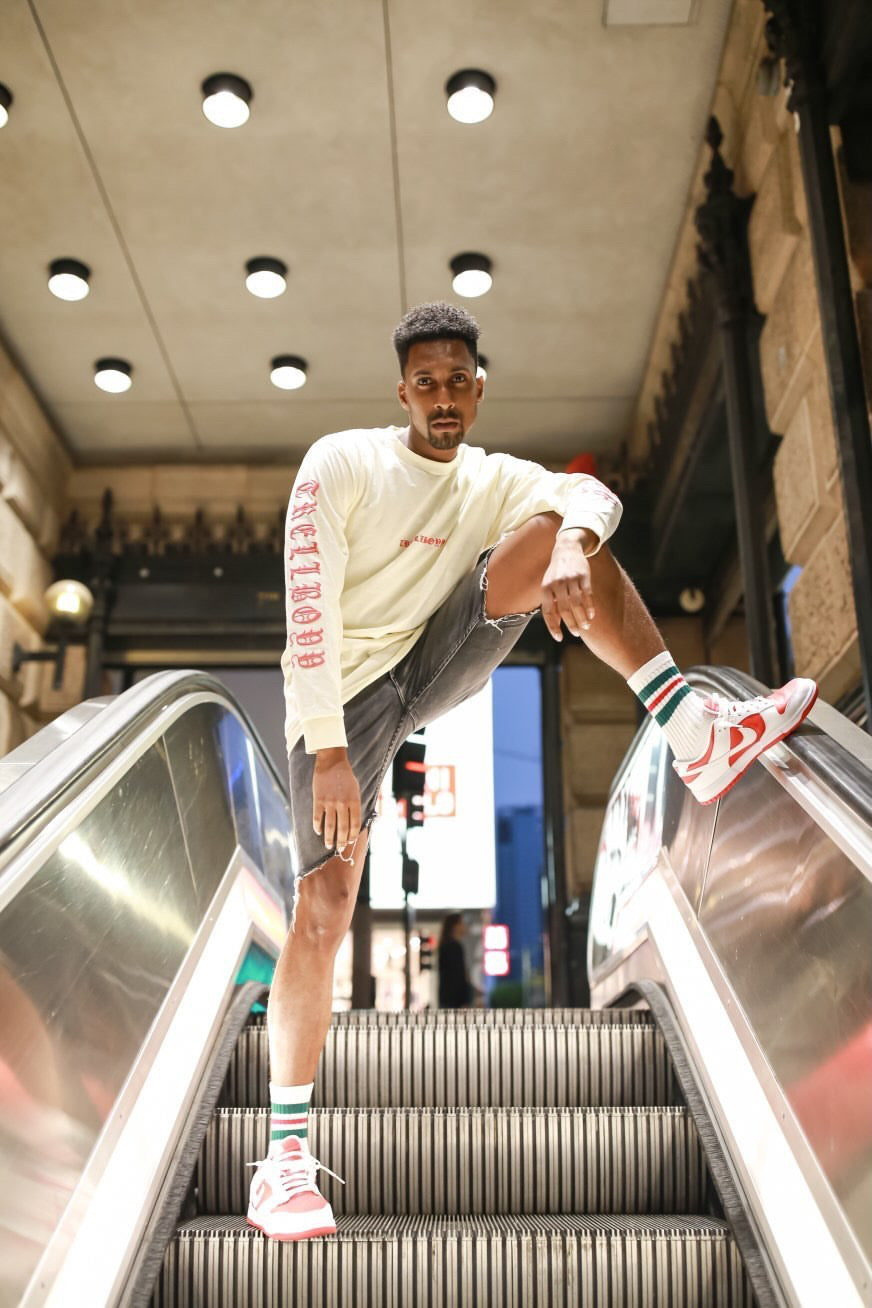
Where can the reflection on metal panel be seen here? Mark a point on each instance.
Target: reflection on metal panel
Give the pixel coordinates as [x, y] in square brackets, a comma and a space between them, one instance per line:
[790, 918]
[630, 843]
[199, 772]
[777, 875]
[97, 926]
[687, 835]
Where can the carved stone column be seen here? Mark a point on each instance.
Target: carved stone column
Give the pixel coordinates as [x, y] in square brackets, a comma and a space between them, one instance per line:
[793, 35]
[722, 223]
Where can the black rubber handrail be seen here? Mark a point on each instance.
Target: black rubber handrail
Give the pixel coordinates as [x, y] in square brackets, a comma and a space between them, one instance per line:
[69, 768]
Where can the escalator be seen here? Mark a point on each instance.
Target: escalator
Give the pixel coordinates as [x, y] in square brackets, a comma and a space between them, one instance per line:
[699, 1138]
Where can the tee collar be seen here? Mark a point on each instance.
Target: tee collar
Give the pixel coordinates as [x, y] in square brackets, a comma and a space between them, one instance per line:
[435, 467]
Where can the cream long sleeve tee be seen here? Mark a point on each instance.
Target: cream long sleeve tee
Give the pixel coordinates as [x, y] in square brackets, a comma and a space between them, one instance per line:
[377, 537]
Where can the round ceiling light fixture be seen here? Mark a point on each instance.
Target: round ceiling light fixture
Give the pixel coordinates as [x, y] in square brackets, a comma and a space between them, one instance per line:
[266, 278]
[470, 95]
[471, 275]
[481, 370]
[6, 98]
[288, 372]
[113, 375]
[68, 279]
[226, 99]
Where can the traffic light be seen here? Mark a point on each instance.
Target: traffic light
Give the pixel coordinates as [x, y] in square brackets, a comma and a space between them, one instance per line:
[410, 875]
[409, 777]
[425, 952]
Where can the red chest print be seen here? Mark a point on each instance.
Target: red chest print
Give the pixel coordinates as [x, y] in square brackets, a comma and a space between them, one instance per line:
[303, 562]
[422, 540]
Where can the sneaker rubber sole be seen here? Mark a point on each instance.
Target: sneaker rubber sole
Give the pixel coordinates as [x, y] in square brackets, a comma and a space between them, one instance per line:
[305, 1233]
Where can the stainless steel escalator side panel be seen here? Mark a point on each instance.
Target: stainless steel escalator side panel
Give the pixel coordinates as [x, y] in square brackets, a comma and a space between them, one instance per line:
[111, 886]
[71, 746]
[773, 886]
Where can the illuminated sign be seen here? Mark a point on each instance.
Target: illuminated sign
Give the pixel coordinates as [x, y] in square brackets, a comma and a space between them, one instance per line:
[496, 936]
[440, 792]
[496, 962]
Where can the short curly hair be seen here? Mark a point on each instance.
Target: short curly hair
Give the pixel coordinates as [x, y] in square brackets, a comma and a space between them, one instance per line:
[435, 322]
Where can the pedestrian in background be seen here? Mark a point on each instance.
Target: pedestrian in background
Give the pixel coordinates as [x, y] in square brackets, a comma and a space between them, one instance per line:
[454, 988]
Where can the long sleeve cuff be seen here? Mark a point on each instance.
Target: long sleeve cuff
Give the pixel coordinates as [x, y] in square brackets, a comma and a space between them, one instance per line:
[324, 733]
[580, 519]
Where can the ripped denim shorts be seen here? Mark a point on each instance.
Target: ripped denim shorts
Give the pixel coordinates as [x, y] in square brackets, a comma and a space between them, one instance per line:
[453, 658]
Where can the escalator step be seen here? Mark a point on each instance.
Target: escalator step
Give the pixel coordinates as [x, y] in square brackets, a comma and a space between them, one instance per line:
[486, 1066]
[507, 1160]
[486, 1017]
[450, 1262]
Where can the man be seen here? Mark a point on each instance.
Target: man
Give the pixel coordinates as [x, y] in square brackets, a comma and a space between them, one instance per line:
[413, 564]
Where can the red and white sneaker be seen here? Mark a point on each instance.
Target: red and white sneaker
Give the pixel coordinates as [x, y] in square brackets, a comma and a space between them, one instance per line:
[284, 1201]
[741, 731]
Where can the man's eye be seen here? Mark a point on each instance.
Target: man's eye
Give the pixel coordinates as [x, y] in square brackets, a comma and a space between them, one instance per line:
[423, 381]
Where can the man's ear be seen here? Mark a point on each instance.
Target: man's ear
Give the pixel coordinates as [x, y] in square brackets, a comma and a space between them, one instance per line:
[401, 394]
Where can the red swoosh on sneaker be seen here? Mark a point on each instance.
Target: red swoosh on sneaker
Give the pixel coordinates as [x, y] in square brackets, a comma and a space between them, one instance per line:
[738, 739]
[704, 758]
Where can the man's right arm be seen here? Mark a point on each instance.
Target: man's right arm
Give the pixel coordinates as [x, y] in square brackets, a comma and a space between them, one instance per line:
[335, 798]
[316, 553]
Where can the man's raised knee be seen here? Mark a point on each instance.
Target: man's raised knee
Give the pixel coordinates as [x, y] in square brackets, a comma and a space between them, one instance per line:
[324, 907]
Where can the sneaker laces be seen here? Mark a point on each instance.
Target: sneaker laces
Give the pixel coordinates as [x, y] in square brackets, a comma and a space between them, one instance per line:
[737, 708]
[297, 1172]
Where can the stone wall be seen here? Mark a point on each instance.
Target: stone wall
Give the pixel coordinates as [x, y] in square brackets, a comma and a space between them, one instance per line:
[34, 469]
[760, 145]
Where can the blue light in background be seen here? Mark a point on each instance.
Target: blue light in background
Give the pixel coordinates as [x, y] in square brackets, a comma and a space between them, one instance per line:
[518, 812]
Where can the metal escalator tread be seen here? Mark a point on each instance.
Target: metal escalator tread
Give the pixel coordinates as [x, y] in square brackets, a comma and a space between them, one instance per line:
[486, 1017]
[449, 1262]
[482, 1160]
[472, 1065]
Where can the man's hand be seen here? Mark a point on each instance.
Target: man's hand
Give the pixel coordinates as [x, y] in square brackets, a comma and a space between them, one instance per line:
[335, 799]
[567, 594]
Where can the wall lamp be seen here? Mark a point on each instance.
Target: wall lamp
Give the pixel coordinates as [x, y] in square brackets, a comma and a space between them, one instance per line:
[70, 604]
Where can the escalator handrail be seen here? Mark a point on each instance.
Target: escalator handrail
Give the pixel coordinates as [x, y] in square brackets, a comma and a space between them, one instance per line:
[837, 752]
[102, 736]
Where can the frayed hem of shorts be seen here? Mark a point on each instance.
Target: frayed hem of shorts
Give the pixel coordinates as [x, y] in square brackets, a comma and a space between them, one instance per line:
[301, 876]
[508, 619]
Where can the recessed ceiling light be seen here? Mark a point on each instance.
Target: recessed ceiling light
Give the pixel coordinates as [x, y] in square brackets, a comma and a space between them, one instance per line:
[266, 278]
[470, 95]
[5, 102]
[481, 370]
[472, 274]
[288, 372]
[226, 100]
[113, 375]
[68, 279]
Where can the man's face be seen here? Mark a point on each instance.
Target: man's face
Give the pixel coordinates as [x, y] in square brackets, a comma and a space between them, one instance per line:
[441, 393]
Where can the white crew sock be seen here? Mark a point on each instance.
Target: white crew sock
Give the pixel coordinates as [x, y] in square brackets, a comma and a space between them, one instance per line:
[676, 707]
[289, 1105]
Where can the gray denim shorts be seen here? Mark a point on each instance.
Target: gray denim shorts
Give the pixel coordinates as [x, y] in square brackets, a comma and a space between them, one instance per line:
[453, 658]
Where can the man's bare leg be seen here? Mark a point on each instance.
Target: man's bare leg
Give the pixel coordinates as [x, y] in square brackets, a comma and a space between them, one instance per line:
[622, 632]
[300, 1001]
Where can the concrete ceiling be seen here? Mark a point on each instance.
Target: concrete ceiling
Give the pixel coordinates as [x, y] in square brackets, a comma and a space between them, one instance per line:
[352, 172]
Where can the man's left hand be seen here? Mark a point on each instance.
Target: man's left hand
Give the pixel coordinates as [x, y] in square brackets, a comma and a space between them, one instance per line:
[567, 594]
